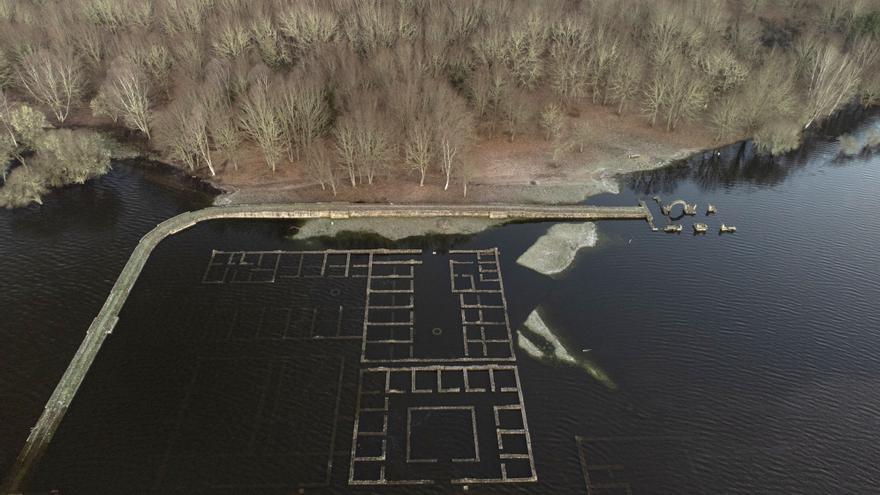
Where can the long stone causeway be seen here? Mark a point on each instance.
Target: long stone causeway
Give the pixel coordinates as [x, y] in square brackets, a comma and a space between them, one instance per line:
[102, 326]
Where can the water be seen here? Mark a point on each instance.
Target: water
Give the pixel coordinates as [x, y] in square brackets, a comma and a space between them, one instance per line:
[58, 263]
[743, 363]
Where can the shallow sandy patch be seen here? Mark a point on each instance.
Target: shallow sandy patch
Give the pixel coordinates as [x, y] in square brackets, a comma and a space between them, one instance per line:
[395, 229]
[552, 349]
[554, 251]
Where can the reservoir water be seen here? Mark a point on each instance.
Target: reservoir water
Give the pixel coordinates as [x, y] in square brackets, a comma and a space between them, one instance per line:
[744, 363]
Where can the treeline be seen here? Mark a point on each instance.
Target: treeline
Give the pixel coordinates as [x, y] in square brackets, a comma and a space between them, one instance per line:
[46, 157]
[354, 90]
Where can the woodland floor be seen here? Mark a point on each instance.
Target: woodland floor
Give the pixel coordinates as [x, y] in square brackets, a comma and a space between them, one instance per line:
[500, 170]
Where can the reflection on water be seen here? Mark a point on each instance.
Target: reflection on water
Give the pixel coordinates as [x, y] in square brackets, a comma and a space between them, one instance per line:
[740, 163]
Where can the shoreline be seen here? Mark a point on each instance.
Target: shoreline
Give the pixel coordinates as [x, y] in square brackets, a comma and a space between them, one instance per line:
[521, 171]
[566, 184]
[567, 187]
[498, 170]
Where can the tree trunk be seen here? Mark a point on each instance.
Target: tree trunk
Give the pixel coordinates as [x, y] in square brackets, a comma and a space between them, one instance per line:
[209, 162]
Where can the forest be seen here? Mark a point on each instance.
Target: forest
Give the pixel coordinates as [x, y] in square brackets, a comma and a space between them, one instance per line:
[353, 91]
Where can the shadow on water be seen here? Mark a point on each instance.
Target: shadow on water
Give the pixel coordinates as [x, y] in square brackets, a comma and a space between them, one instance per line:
[80, 206]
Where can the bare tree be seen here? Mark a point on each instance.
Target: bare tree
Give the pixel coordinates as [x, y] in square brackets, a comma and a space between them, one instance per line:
[723, 69]
[672, 59]
[90, 42]
[186, 124]
[778, 136]
[727, 118]
[372, 24]
[307, 24]
[525, 50]
[687, 92]
[419, 148]
[656, 95]
[22, 127]
[197, 131]
[230, 38]
[516, 111]
[486, 89]
[268, 40]
[606, 50]
[318, 160]
[454, 129]
[118, 14]
[561, 145]
[489, 45]
[23, 186]
[663, 37]
[833, 78]
[7, 71]
[182, 16]
[303, 108]
[552, 121]
[624, 80]
[53, 78]
[769, 94]
[125, 94]
[150, 54]
[261, 122]
[172, 136]
[7, 151]
[189, 57]
[225, 132]
[375, 143]
[72, 157]
[346, 149]
[568, 66]
[465, 172]
[449, 155]
[579, 136]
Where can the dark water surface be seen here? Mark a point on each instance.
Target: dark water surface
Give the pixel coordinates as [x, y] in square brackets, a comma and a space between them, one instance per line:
[58, 262]
[743, 363]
